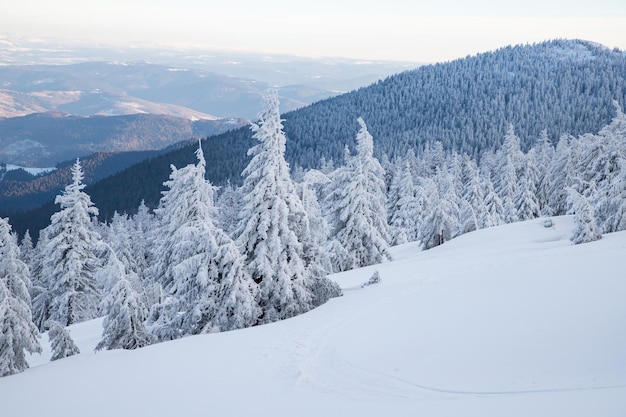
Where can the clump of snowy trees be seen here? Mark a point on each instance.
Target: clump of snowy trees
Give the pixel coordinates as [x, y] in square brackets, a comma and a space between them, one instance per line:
[205, 261]
[439, 195]
[18, 333]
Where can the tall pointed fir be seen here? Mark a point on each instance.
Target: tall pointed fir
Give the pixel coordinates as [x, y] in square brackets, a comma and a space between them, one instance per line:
[271, 223]
[125, 241]
[144, 229]
[26, 249]
[542, 154]
[206, 285]
[474, 194]
[560, 175]
[406, 211]
[68, 258]
[526, 203]
[357, 202]
[510, 159]
[18, 333]
[313, 233]
[495, 209]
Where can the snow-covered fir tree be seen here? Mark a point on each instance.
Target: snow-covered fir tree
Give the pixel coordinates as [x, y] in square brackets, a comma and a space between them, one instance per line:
[585, 228]
[474, 195]
[229, 206]
[271, 222]
[27, 249]
[611, 208]
[123, 326]
[601, 162]
[18, 333]
[438, 226]
[510, 161]
[39, 291]
[313, 232]
[467, 218]
[124, 240]
[207, 288]
[542, 155]
[495, 209]
[560, 175]
[407, 211]
[144, 229]
[61, 342]
[68, 256]
[526, 203]
[357, 205]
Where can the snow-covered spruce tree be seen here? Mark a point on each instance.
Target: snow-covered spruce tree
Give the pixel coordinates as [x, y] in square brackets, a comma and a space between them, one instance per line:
[144, 229]
[396, 170]
[507, 189]
[447, 187]
[207, 288]
[60, 341]
[601, 163]
[526, 203]
[542, 154]
[585, 228]
[474, 194]
[438, 226]
[69, 260]
[407, 211]
[357, 203]
[271, 222]
[27, 249]
[313, 233]
[510, 159]
[18, 333]
[229, 206]
[467, 218]
[123, 326]
[495, 209]
[39, 291]
[560, 175]
[612, 205]
[122, 241]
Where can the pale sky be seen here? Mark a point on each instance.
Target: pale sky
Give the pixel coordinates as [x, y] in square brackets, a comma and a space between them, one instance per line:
[402, 30]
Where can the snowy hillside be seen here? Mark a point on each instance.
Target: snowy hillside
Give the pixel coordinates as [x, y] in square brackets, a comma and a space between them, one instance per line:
[508, 321]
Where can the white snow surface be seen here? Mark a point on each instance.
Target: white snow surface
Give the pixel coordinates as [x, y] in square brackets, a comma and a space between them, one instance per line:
[508, 321]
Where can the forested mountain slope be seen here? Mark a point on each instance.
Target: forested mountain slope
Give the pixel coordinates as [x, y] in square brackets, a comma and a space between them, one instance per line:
[20, 191]
[561, 86]
[467, 104]
[45, 139]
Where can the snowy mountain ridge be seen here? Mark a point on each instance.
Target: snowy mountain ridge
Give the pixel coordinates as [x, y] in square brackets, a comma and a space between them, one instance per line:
[512, 320]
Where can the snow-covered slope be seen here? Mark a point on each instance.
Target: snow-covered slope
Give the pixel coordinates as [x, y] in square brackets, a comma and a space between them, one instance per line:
[509, 321]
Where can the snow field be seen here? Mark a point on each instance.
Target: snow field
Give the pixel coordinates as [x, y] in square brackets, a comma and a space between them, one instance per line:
[512, 320]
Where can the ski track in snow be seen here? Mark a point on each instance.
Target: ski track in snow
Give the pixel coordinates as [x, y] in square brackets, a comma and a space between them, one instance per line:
[322, 368]
[487, 393]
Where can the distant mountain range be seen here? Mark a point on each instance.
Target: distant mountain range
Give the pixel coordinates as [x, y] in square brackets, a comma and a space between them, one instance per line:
[48, 112]
[44, 139]
[47, 75]
[121, 88]
[21, 189]
[565, 87]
